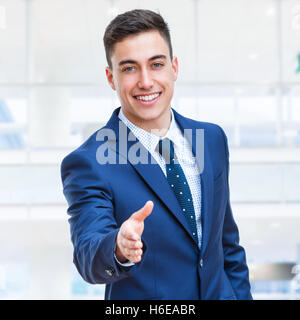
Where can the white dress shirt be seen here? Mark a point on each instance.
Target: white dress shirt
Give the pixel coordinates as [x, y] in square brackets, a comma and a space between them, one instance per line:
[185, 157]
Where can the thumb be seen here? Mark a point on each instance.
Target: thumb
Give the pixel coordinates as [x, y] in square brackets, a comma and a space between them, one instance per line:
[143, 213]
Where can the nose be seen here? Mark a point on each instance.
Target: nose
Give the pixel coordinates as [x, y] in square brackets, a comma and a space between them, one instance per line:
[145, 81]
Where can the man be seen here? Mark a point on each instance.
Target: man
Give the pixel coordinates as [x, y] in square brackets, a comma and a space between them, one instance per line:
[159, 229]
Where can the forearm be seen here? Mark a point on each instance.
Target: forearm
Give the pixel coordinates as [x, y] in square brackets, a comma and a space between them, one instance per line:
[95, 261]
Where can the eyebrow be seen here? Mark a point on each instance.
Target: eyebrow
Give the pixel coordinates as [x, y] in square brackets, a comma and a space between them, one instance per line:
[158, 56]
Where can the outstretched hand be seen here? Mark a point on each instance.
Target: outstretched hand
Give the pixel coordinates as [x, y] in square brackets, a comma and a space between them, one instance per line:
[128, 243]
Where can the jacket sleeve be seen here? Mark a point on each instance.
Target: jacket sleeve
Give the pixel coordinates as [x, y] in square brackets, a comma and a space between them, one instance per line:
[235, 264]
[92, 223]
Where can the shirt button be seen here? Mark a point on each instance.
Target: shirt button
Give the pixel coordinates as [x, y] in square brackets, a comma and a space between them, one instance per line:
[201, 263]
[110, 272]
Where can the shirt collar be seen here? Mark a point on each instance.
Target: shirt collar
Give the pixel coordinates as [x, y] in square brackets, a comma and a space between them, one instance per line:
[174, 133]
[150, 140]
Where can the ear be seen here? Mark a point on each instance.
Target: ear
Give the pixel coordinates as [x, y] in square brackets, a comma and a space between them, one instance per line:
[110, 77]
[175, 67]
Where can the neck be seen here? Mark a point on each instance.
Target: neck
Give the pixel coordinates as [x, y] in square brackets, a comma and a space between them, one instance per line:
[159, 126]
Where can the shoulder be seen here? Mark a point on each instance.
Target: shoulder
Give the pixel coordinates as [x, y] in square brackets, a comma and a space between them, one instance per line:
[82, 156]
[211, 130]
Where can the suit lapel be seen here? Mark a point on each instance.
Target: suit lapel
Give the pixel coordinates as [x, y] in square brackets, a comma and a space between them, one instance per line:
[156, 180]
[150, 172]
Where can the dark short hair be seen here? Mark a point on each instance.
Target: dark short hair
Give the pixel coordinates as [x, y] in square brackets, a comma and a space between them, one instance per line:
[131, 23]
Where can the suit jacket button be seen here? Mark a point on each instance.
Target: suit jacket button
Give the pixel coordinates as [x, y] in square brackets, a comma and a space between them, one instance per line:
[110, 272]
[201, 263]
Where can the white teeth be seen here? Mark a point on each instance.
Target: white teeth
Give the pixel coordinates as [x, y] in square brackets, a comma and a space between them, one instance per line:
[148, 98]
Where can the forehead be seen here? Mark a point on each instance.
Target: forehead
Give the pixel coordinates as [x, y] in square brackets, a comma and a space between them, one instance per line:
[140, 47]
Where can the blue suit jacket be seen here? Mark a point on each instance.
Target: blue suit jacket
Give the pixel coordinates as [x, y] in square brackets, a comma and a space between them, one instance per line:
[102, 196]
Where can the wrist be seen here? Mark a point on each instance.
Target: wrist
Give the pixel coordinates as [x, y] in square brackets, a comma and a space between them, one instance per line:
[121, 258]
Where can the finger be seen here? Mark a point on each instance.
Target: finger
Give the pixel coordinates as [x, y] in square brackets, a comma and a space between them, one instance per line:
[135, 258]
[133, 253]
[130, 235]
[130, 244]
[143, 213]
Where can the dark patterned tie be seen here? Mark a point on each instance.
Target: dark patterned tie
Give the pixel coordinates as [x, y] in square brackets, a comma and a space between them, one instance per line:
[178, 182]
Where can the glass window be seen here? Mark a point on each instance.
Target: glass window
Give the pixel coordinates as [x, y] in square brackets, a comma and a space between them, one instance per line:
[13, 123]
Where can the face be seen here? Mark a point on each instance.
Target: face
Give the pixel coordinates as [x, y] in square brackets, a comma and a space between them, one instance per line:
[143, 76]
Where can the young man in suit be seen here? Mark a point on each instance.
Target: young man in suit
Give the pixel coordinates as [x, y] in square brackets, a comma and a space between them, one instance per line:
[159, 229]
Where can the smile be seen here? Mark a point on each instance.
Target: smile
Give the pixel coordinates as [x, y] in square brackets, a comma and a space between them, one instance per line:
[148, 98]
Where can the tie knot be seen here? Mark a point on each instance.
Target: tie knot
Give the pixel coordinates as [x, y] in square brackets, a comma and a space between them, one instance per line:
[166, 149]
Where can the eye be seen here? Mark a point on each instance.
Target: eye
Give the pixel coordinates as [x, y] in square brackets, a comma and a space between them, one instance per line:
[157, 65]
[128, 69]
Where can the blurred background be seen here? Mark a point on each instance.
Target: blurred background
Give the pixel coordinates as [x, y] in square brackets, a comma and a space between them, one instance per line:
[239, 66]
